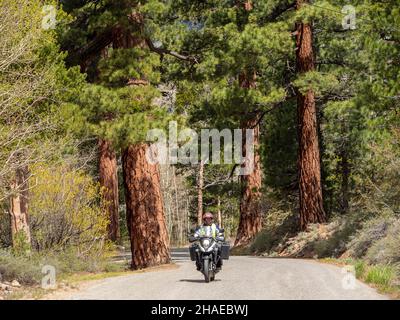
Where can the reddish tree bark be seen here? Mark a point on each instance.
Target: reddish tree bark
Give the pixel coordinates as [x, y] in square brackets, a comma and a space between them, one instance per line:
[144, 209]
[248, 5]
[250, 214]
[19, 207]
[108, 171]
[310, 189]
[344, 171]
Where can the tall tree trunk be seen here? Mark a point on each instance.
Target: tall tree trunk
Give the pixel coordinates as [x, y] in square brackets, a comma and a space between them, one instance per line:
[250, 214]
[311, 201]
[19, 209]
[144, 209]
[200, 186]
[174, 235]
[108, 171]
[219, 212]
[345, 173]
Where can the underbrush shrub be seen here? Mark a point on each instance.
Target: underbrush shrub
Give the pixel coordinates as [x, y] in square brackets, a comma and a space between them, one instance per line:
[386, 250]
[21, 268]
[323, 240]
[66, 210]
[278, 227]
[70, 261]
[114, 267]
[370, 233]
[27, 269]
[334, 245]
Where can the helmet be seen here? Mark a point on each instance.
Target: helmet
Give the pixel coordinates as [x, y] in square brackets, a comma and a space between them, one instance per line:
[208, 215]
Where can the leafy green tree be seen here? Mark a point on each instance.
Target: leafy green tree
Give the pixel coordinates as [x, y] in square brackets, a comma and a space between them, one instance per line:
[34, 87]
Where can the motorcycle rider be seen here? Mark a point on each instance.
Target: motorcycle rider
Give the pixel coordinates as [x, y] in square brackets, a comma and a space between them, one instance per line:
[208, 228]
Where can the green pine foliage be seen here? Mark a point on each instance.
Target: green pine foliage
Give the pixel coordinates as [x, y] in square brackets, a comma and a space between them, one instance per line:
[109, 107]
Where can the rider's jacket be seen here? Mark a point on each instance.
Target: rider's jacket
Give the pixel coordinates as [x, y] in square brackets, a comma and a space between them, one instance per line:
[204, 230]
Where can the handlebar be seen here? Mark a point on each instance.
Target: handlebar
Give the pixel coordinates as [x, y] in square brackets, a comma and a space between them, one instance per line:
[193, 239]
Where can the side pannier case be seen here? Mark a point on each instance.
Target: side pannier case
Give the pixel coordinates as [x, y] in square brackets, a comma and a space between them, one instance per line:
[192, 250]
[225, 247]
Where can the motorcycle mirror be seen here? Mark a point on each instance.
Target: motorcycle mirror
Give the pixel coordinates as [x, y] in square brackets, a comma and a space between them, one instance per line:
[222, 230]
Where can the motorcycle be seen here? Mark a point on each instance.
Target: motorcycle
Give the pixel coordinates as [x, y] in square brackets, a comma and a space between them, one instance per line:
[208, 253]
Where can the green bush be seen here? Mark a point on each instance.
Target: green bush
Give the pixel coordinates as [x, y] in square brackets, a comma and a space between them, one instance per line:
[66, 210]
[69, 261]
[360, 267]
[380, 275]
[21, 244]
[22, 268]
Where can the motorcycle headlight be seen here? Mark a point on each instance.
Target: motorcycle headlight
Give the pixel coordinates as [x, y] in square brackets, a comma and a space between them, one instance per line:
[205, 243]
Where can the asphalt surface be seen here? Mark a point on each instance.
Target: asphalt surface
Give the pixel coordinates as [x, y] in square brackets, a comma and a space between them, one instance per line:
[241, 278]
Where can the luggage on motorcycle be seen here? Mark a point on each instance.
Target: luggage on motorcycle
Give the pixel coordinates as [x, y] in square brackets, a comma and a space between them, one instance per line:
[225, 247]
[192, 250]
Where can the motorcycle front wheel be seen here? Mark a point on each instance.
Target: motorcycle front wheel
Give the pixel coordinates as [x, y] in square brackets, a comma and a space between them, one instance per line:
[206, 270]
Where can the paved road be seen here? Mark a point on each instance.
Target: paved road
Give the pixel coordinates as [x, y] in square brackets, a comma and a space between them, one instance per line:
[241, 278]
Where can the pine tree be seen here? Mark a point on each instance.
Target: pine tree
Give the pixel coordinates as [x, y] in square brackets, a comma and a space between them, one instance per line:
[310, 187]
[118, 55]
[351, 100]
[239, 50]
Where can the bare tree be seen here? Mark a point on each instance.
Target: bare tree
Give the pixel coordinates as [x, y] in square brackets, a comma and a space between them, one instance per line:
[20, 231]
[200, 187]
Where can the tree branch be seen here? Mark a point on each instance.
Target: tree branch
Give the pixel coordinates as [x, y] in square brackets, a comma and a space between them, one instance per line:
[162, 51]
